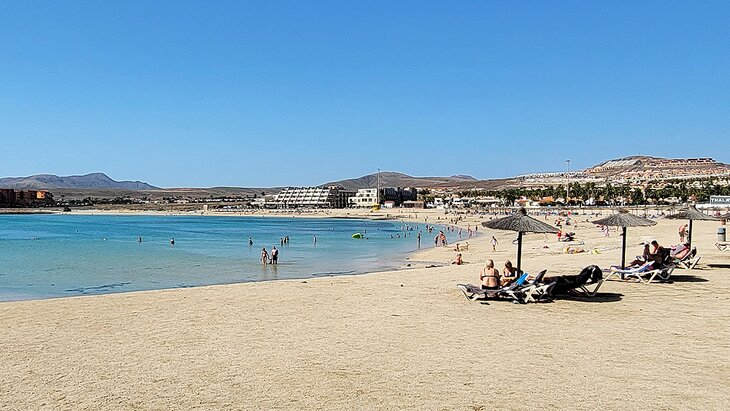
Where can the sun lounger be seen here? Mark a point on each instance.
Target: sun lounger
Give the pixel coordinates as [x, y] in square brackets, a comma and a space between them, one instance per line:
[648, 276]
[578, 284]
[688, 261]
[584, 290]
[475, 292]
[536, 290]
[630, 271]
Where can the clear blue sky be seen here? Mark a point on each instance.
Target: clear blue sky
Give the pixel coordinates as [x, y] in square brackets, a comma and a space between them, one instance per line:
[266, 93]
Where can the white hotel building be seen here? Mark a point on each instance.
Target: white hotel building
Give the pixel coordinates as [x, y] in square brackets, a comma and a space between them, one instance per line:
[312, 197]
[365, 197]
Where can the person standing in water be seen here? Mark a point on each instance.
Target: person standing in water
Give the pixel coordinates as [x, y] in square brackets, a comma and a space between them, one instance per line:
[139, 239]
[172, 241]
[264, 256]
[315, 240]
[274, 255]
[250, 241]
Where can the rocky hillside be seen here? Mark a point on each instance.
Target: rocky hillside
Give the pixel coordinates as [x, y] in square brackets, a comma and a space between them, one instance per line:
[88, 181]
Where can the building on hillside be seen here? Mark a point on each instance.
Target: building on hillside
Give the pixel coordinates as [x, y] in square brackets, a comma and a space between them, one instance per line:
[312, 197]
[365, 197]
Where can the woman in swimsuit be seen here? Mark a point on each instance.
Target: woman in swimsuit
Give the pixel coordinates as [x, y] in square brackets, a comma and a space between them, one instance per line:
[509, 273]
[489, 276]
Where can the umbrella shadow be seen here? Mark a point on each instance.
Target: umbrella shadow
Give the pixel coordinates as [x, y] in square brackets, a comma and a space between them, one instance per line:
[598, 298]
[685, 278]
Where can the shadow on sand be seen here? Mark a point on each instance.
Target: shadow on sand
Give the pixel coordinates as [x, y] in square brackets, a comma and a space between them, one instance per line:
[598, 298]
[719, 265]
[684, 278]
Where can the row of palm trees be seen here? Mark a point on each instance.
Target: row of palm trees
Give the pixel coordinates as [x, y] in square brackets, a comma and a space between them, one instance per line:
[652, 192]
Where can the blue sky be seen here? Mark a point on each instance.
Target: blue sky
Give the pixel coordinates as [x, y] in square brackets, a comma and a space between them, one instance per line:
[298, 93]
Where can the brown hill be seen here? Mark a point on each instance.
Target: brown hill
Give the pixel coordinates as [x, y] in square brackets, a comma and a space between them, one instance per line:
[98, 181]
[395, 179]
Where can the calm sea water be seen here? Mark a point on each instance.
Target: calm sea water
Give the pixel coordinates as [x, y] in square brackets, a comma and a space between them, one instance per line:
[44, 256]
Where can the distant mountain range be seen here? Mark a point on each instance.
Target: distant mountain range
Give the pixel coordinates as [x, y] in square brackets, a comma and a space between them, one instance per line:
[87, 181]
[394, 179]
[634, 168]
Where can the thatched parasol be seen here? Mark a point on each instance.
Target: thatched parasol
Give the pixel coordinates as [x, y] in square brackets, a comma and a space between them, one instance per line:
[522, 223]
[691, 213]
[624, 219]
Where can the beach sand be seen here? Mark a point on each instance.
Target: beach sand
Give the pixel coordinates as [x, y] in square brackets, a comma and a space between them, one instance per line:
[392, 340]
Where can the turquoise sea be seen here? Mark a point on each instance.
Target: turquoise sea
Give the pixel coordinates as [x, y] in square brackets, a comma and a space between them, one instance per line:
[44, 256]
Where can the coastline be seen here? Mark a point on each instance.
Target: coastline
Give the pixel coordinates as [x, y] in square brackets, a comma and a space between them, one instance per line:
[386, 340]
[394, 260]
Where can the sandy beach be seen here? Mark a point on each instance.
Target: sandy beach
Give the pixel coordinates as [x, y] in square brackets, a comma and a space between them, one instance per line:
[391, 340]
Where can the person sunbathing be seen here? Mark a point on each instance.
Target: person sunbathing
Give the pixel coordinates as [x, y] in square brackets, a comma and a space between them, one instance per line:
[658, 254]
[640, 259]
[679, 251]
[509, 273]
[458, 260]
[489, 276]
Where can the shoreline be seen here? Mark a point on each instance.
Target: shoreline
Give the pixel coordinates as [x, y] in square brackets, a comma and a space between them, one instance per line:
[384, 340]
[407, 260]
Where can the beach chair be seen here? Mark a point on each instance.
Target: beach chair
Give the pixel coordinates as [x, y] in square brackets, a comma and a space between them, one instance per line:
[578, 285]
[584, 291]
[630, 271]
[689, 261]
[648, 276]
[516, 290]
[475, 292]
[536, 290]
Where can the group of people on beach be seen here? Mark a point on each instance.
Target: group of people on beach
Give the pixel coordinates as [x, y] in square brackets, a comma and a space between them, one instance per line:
[492, 279]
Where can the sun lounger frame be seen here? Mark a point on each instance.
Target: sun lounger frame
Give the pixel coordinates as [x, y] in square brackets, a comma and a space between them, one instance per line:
[511, 291]
[662, 273]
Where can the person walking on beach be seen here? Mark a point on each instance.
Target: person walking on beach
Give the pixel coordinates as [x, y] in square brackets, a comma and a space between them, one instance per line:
[494, 243]
[682, 233]
[264, 256]
[274, 256]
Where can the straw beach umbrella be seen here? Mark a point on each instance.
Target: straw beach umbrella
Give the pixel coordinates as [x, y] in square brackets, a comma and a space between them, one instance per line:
[624, 219]
[522, 223]
[691, 213]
